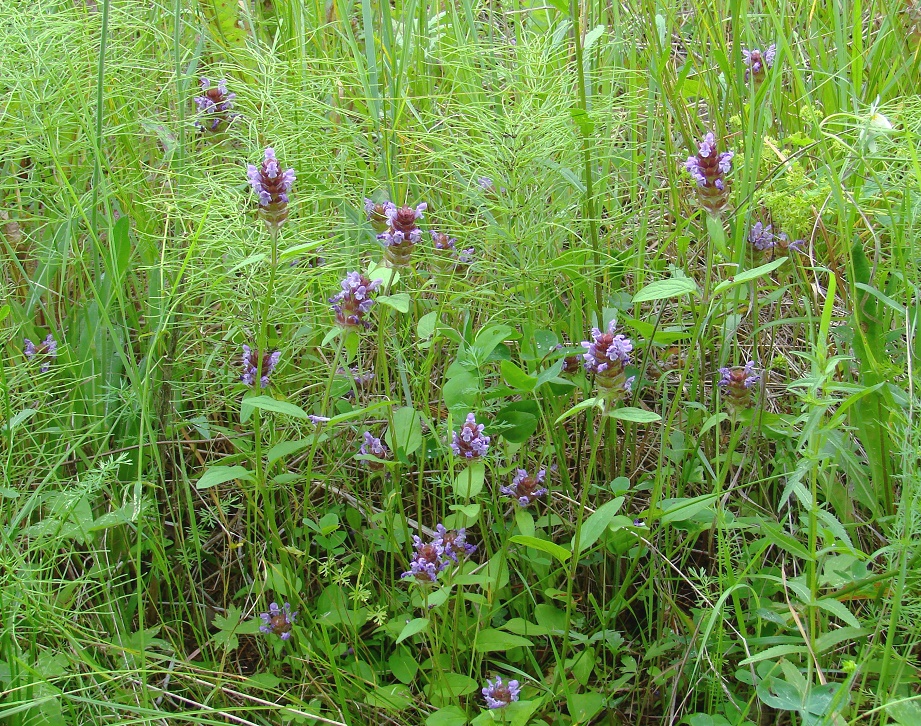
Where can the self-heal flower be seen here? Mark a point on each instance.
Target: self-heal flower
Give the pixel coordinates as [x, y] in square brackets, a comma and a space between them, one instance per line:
[761, 236]
[214, 105]
[708, 169]
[526, 489]
[453, 543]
[354, 301]
[447, 254]
[427, 562]
[470, 442]
[498, 694]
[757, 63]
[377, 214]
[736, 384]
[373, 447]
[401, 234]
[251, 361]
[606, 356]
[278, 620]
[271, 185]
[47, 352]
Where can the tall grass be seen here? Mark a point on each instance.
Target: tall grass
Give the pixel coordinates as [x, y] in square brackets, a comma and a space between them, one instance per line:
[697, 560]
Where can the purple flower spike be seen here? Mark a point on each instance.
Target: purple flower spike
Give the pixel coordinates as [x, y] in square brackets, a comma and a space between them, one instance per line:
[377, 214]
[448, 256]
[427, 562]
[736, 384]
[470, 442]
[606, 355]
[373, 447]
[401, 234]
[757, 63]
[498, 694]
[251, 362]
[278, 621]
[47, 352]
[526, 489]
[214, 105]
[707, 168]
[354, 302]
[453, 543]
[761, 237]
[271, 185]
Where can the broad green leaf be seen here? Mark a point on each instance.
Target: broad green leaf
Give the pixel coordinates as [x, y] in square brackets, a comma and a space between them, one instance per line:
[839, 610]
[425, 328]
[221, 474]
[520, 626]
[460, 393]
[267, 403]
[403, 665]
[906, 712]
[517, 378]
[396, 697]
[748, 275]
[286, 448]
[399, 302]
[682, 509]
[406, 432]
[490, 640]
[774, 534]
[587, 403]
[663, 289]
[773, 653]
[560, 553]
[583, 707]
[469, 482]
[596, 524]
[636, 415]
[488, 338]
[413, 627]
[448, 716]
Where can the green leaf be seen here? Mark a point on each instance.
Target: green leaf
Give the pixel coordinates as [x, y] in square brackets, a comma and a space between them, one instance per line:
[636, 415]
[514, 424]
[517, 378]
[406, 432]
[399, 302]
[682, 509]
[226, 637]
[286, 448]
[554, 550]
[587, 403]
[220, 474]
[905, 713]
[774, 534]
[460, 393]
[490, 640]
[267, 403]
[839, 610]
[448, 716]
[597, 523]
[425, 328]
[520, 626]
[396, 697]
[583, 707]
[469, 482]
[403, 665]
[525, 521]
[662, 289]
[412, 628]
[773, 653]
[749, 275]
[488, 338]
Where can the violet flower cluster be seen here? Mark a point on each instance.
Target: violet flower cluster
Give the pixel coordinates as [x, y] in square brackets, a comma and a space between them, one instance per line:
[372, 446]
[448, 255]
[271, 185]
[447, 546]
[251, 361]
[498, 694]
[377, 214]
[736, 384]
[278, 621]
[757, 63]
[46, 352]
[762, 238]
[709, 169]
[402, 233]
[526, 489]
[354, 301]
[214, 105]
[470, 442]
[606, 356]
